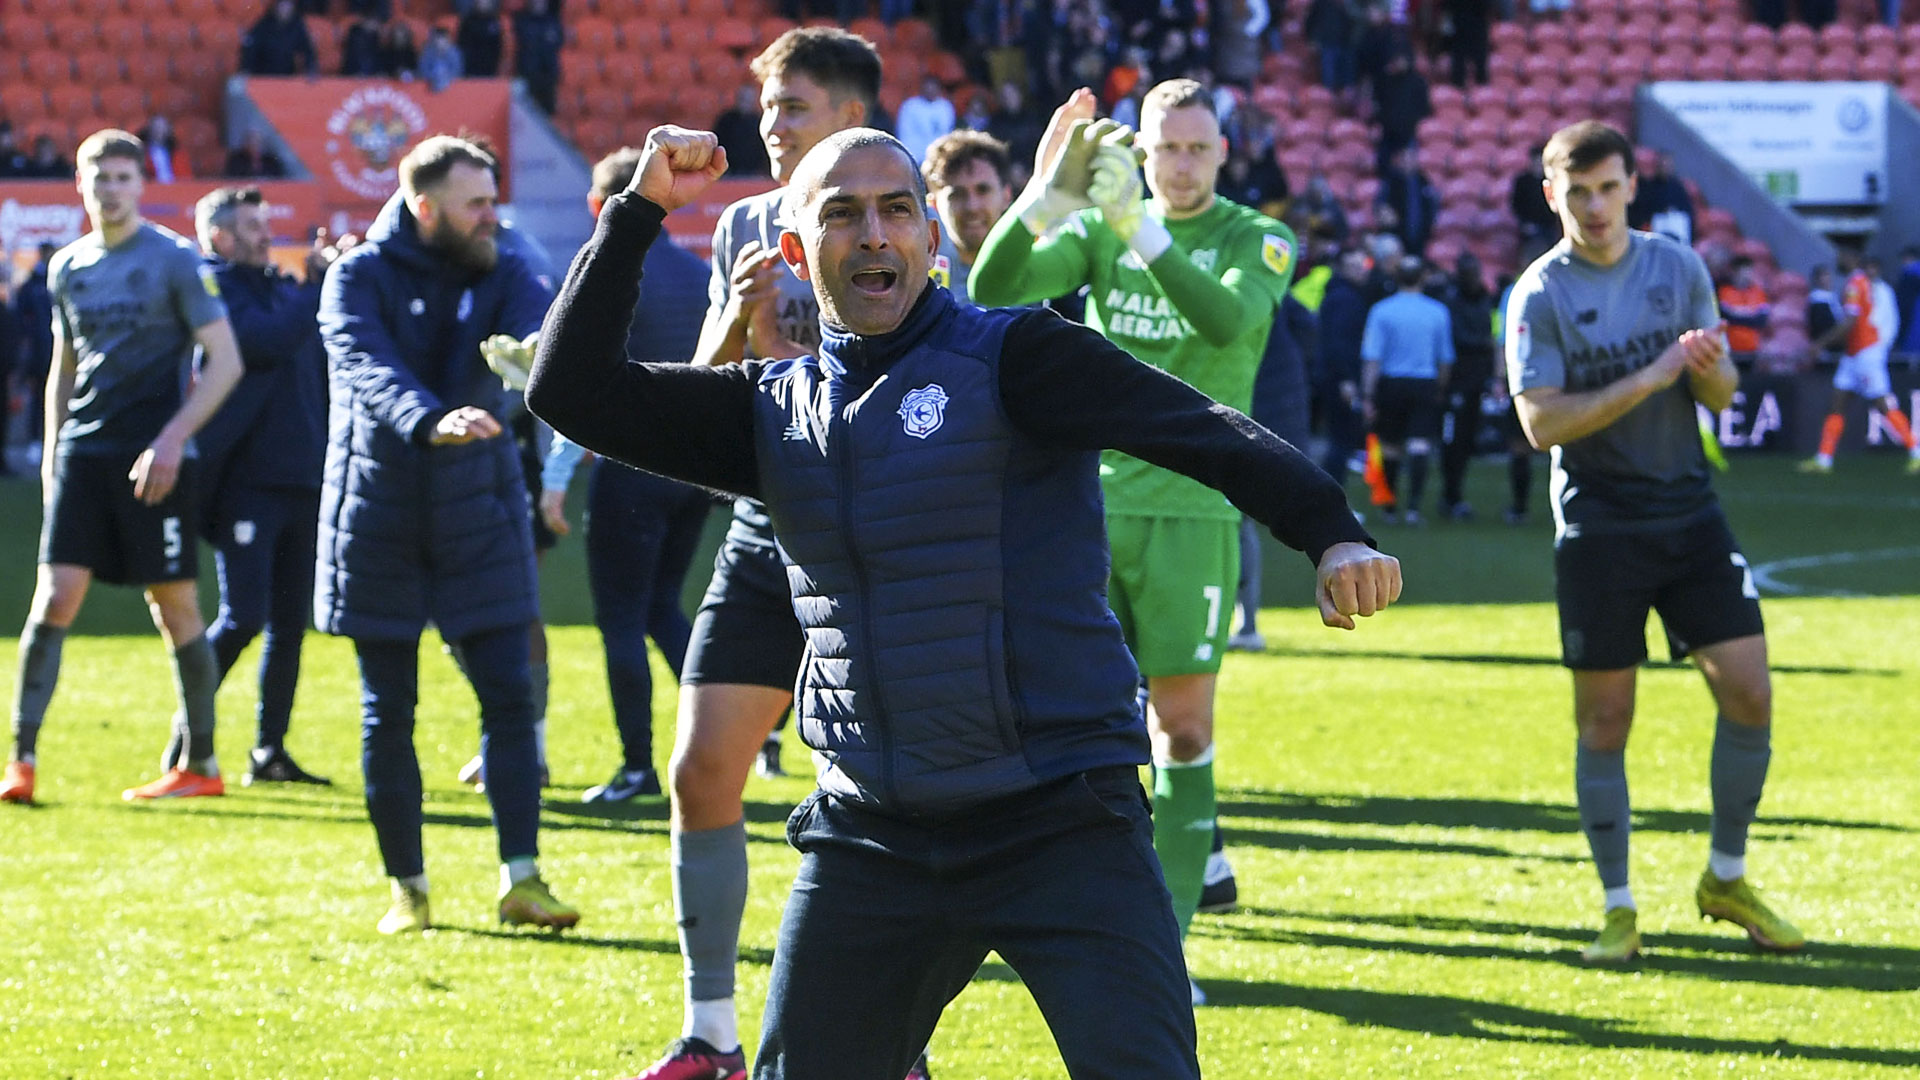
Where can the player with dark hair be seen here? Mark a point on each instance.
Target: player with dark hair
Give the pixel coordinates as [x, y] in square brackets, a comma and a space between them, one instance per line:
[1189, 282]
[1612, 341]
[132, 303]
[261, 456]
[423, 516]
[641, 528]
[969, 177]
[738, 678]
[933, 474]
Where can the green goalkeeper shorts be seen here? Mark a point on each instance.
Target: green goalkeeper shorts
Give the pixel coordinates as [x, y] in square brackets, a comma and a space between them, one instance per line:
[1172, 588]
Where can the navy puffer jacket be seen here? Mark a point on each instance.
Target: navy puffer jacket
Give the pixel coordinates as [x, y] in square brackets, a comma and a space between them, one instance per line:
[411, 533]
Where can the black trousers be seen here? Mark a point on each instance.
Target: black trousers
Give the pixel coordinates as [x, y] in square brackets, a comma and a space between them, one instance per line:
[889, 920]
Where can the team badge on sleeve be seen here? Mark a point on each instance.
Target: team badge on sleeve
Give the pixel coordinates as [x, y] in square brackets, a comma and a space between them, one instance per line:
[209, 282]
[922, 411]
[1277, 254]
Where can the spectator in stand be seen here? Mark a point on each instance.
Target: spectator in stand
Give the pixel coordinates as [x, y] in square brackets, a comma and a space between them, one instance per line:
[1818, 13]
[1413, 198]
[1343, 323]
[1824, 311]
[1400, 102]
[1319, 210]
[278, 44]
[924, 117]
[1406, 354]
[738, 129]
[1125, 77]
[1252, 178]
[978, 115]
[440, 61]
[1379, 41]
[33, 303]
[1332, 28]
[1539, 225]
[1743, 304]
[1906, 292]
[1470, 305]
[399, 56]
[1550, 9]
[482, 40]
[536, 51]
[164, 163]
[251, 160]
[1471, 23]
[46, 162]
[378, 9]
[1661, 204]
[1016, 126]
[13, 163]
[360, 50]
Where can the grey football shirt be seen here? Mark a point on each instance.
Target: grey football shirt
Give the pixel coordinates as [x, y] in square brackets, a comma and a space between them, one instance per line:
[760, 217]
[130, 312]
[1575, 326]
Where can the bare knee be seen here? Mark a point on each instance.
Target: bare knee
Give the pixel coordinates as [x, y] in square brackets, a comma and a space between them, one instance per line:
[1748, 702]
[1181, 716]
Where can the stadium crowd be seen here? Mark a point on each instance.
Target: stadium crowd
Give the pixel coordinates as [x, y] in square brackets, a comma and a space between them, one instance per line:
[1147, 204]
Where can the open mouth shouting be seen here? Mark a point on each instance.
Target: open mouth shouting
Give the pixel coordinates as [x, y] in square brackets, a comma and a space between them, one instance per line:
[877, 282]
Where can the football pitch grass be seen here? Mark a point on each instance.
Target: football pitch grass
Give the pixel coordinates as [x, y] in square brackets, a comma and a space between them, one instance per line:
[1397, 801]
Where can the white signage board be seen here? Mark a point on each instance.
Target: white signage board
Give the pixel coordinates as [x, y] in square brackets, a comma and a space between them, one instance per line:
[1805, 143]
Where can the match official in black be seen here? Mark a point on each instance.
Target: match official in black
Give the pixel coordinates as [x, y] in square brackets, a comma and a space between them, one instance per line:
[933, 478]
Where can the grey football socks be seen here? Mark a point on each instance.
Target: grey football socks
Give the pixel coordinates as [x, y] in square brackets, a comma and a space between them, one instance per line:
[709, 900]
[1739, 772]
[33, 689]
[1600, 787]
[196, 675]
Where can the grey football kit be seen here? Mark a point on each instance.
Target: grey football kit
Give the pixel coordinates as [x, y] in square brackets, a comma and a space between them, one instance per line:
[130, 312]
[1637, 523]
[745, 631]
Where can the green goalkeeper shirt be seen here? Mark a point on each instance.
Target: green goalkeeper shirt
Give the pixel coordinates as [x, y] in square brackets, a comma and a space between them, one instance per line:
[1201, 311]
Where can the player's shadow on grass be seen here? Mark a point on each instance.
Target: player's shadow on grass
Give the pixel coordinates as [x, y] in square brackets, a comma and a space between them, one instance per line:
[1436, 1014]
[1721, 958]
[548, 820]
[1306, 841]
[655, 809]
[1521, 660]
[1459, 813]
[574, 939]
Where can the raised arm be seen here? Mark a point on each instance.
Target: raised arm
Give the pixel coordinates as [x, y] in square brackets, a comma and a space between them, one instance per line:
[690, 423]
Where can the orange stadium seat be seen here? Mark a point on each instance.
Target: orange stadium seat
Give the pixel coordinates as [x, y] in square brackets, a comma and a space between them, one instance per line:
[605, 102]
[123, 34]
[582, 68]
[224, 37]
[616, 10]
[708, 10]
[98, 67]
[95, 10]
[148, 10]
[244, 12]
[198, 11]
[641, 34]
[170, 99]
[687, 35]
[913, 35]
[593, 35]
[23, 104]
[170, 35]
[623, 69]
[148, 69]
[670, 69]
[769, 27]
[872, 29]
[663, 9]
[123, 103]
[735, 33]
[198, 67]
[20, 36]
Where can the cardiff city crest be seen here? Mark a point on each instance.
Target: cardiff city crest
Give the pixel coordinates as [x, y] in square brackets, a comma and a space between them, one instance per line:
[922, 411]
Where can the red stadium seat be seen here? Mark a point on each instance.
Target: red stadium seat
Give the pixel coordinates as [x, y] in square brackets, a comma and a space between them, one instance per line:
[243, 12]
[1711, 66]
[1838, 37]
[663, 9]
[224, 37]
[1508, 36]
[1580, 96]
[170, 35]
[1587, 64]
[1910, 34]
[1795, 34]
[1541, 69]
[1835, 67]
[623, 68]
[1635, 35]
[47, 67]
[1755, 36]
[670, 69]
[737, 34]
[1536, 98]
[606, 102]
[1488, 99]
[593, 35]
[1795, 66]
[98, 67]
[95, 10]
[640, 34]
[71, 102]
[708, 10]
[1753, 66]
[199, 12]
[123, 103]
[1682, 28]
[1878, 66]
[1719, 34]
[170, 99]
[1436, 131]
[73, 34]
[872, 29]
[124, 34]
[23, 104]
[197, 67]
[913, 35]
[688, 35]
[1548, 34]
[1481, 132]
[147, 69]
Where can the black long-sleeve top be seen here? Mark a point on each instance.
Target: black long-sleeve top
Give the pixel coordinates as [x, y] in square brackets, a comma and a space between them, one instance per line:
[1060, 384]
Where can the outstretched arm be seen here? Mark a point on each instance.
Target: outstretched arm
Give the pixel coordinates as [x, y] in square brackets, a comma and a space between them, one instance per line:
[690, 423]
[1066, 385]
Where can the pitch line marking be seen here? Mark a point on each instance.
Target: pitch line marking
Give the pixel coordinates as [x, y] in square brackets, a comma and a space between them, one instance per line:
[1764, 574]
